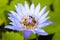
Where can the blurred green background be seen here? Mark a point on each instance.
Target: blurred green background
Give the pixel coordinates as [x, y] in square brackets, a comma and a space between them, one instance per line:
[53, 5]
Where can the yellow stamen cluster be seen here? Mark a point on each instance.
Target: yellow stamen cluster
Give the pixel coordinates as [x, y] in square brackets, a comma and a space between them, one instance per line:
[29, 22]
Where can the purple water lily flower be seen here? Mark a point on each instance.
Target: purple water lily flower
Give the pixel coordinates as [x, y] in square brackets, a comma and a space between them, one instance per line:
[29, 19]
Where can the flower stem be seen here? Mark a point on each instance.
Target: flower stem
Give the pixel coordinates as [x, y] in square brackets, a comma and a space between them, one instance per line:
[25, 38]
[36, 37]
[0, 35]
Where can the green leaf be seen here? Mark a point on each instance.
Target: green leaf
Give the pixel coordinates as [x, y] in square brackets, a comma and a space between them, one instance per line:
[42, 2]
[56, 36]
[13, 3]
[3, 3]
[12, 36]
[1, 22]
[5, 8]
[55, 18]
[2, 11]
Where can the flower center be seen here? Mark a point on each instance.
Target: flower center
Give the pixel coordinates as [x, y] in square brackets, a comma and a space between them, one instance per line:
[29, 22]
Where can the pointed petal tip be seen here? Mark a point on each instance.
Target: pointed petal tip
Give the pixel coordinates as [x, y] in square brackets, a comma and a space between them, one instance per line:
[5, 27]
[11, 11]
[39, 4]
[48, 11]
[48, 17]
[9, 15]
[41, 32]
[15, 6]
[45, 34]
[45, 7]
[25, 2]
[50, 22]
[9, 27]
[32, 4]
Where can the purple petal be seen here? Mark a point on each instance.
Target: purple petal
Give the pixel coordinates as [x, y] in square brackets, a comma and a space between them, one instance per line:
[44, 24]
[41, 32]
[14, 28]
[10, 27]
[27, 33]
[42, 11]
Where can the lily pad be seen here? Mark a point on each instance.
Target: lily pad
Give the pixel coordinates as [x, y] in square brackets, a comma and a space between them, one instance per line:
[12, 36]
